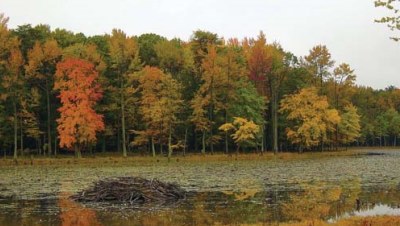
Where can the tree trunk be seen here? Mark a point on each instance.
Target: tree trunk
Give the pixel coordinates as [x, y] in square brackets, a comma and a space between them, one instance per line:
[103, 144]
[124, 153]
[226, 135]
[128, 136]
[211, 141]
[37, 146]
[40, 145]
[55, 145]
[262, 139]
[89, 149]
[301, 149]
[15, 130]
[196, 142]
[48, 118]
[122, 100]
[337, 125]
[274, 114]
[78, 153]
[226, 143]
[395, 141]
[153, 149]
[211, 116]
[170, 143]
[203, 141]
[22, 138]
[185, 142]
[119, 138]
[322, 144]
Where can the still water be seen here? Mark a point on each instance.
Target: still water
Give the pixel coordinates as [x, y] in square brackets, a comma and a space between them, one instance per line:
[264, 192]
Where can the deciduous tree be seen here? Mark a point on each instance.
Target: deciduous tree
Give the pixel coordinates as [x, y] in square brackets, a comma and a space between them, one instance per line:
[200, 41]
[12, 81]
[207, 100]
[30, 123]
[392, 116]
[233, 65]
[244, 131]
[318, 62]
[29, 35]
[392, 21]
[42, 60]
[349, 127]
[147, 48]
[79, 92]
[160, 103]
[344, 78]
[311, 117]
[176, 58]
[259, 62]
[124, 55]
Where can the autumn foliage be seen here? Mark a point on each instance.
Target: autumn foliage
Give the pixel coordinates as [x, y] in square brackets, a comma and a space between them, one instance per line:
[170, 93]
[160, 103]
[244, 131]
[79, 92]
[312, 117]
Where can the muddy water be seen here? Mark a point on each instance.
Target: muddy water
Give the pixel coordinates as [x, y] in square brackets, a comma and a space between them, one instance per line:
[228, 192]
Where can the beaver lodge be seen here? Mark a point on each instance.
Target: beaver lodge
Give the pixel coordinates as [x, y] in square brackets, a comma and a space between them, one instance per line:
[132, 190]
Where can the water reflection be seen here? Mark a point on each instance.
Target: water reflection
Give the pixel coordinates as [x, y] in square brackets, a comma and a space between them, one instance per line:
[313, 202]
[72, 213]
[29, 212]
[303, 202]
[306, 202]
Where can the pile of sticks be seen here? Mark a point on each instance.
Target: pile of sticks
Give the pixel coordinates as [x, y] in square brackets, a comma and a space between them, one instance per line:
[133, 190]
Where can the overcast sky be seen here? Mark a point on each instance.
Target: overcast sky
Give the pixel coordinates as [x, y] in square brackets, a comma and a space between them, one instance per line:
[346, 27]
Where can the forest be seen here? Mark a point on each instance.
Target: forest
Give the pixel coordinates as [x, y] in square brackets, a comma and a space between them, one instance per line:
[65, 92]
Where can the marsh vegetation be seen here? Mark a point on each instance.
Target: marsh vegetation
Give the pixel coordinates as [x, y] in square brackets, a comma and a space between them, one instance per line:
[221, 191]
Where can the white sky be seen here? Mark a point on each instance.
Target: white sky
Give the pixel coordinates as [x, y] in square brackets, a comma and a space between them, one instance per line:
[345, 26]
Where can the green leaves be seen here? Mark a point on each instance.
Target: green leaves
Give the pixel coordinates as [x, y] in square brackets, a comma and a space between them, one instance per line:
[392, 21]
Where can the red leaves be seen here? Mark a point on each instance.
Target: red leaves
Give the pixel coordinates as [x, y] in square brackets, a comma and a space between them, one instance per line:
[79, 93]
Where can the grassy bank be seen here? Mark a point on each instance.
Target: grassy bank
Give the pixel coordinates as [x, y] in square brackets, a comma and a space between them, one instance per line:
[116, 158]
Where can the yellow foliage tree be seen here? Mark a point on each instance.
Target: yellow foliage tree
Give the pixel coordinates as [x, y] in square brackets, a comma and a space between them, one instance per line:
[244, 131]
[207, 100]
[313, 203]
[160, 103]
[318, 62]
[311, 118]
[349, 126]
[124, 56]
[42, 60]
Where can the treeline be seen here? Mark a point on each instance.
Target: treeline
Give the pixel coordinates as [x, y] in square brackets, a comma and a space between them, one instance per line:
[158, 96]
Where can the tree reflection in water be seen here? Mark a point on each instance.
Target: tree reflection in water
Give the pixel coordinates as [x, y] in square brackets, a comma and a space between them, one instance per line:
[316, 203]
[72, 213]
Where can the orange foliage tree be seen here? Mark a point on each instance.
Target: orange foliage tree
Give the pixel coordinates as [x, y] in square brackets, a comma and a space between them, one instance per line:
[76, 80]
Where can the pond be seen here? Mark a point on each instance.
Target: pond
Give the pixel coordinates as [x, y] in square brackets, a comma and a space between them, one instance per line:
[256, 192]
